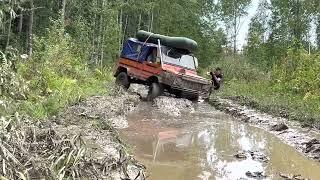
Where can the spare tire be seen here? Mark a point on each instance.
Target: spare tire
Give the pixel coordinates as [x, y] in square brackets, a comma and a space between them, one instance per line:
[176, 42]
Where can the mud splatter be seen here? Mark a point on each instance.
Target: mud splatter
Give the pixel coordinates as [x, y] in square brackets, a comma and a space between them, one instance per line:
[173, 106]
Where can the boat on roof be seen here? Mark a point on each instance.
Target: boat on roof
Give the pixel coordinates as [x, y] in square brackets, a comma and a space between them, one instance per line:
[175, 42]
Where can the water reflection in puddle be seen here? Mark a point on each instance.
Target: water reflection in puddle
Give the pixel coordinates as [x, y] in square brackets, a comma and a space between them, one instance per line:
[202, 145]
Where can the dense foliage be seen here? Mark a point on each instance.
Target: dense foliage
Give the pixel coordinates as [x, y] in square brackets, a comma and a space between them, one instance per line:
[282, 46]
[67, 47]
[99, 27]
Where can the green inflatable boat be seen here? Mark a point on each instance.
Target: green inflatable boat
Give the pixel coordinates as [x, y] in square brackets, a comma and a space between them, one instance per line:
[176, 42]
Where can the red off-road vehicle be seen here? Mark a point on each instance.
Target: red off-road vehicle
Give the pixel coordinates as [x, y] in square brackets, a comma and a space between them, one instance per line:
[162, 63]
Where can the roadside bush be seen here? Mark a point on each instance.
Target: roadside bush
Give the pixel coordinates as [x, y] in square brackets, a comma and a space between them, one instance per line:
[58, 75]
[11, 84]
[238, 69]
[299, 74]
[290, 89]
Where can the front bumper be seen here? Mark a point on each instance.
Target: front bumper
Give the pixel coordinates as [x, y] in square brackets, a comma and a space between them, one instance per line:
[187, 84]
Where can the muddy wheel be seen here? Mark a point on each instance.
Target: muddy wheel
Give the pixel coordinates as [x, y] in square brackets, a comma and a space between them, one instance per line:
[194, 98]
[177, 93]
[155, 90]
[123, 80]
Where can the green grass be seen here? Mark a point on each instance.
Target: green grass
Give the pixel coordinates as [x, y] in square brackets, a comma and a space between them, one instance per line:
[42, 106]
[249, 86]
[58, 75]
[261, 96]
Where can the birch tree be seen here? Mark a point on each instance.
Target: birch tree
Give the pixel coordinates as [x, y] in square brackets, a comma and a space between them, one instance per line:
[232, 12]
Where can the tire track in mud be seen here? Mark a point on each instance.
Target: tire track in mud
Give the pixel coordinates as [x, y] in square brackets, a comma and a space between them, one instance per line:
[176, 114]
[305, 140]
[81, 142]
[97, 120]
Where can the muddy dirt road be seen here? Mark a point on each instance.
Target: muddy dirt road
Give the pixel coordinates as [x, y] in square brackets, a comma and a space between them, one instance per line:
[177, 139]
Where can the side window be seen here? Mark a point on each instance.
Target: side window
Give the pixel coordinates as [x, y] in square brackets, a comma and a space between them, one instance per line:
[152, 57]
[137, 48]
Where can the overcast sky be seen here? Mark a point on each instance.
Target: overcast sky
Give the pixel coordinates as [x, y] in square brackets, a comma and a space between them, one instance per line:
[247, 19]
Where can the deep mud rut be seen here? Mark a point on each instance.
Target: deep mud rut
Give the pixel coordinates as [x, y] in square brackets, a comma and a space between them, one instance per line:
[178, 139]
[97, 120]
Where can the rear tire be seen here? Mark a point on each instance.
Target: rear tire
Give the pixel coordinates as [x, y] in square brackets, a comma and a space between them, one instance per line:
[123, 80]
[155, 90]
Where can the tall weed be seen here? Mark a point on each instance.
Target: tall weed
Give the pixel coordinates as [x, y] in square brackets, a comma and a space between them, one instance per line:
[299, 74]
[58, 75]
[238, 69]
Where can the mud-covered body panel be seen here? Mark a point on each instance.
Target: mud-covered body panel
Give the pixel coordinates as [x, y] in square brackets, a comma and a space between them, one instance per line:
[185, 83]
[173, 77]
[144, 64]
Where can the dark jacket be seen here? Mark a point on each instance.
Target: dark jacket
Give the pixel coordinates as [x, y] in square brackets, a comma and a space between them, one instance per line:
[215, 81]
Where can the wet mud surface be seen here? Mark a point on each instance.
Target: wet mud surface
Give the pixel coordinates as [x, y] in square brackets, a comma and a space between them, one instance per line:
[97, 120]
[173, 139]
[305, 140]
[82, 142]
[178, 139]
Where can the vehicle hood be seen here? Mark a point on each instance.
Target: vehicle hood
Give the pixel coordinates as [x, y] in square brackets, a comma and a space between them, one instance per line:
[185, 73]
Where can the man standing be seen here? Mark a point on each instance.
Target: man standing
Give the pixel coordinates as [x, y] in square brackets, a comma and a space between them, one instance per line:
[216, 77]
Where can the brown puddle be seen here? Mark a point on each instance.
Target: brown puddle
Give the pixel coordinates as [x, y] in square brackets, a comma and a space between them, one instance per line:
[202, 145]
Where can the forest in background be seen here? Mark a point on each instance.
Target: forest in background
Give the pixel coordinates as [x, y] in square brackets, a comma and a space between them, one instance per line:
[55, 52]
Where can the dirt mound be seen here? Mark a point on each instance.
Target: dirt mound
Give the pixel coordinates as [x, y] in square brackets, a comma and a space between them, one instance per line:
[313, 147]
[80, 143]
[110, 108]
[139, 89]
[279, 127]
[173, 106]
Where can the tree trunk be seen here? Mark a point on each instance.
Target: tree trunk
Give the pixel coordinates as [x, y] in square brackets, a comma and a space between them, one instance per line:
[30, 30]
[318, 32]
[20, 22]
[234, 29]
[125, 29]
[120, 30]
[101, 36]
[9, 32]
[235, 40]
[93, 35]
[102, 51]
[63, 14]
[151, 22]
[139, 22]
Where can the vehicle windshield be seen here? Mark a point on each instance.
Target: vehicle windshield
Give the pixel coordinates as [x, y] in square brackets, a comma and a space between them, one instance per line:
[178, 57]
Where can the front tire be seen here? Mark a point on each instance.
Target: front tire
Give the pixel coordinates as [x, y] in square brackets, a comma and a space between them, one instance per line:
[155, 90]
[177, 93]
[123, 80]
[193, 97]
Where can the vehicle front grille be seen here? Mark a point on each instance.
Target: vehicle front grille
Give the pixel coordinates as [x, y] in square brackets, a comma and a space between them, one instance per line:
[185, 83]
[189, 85]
